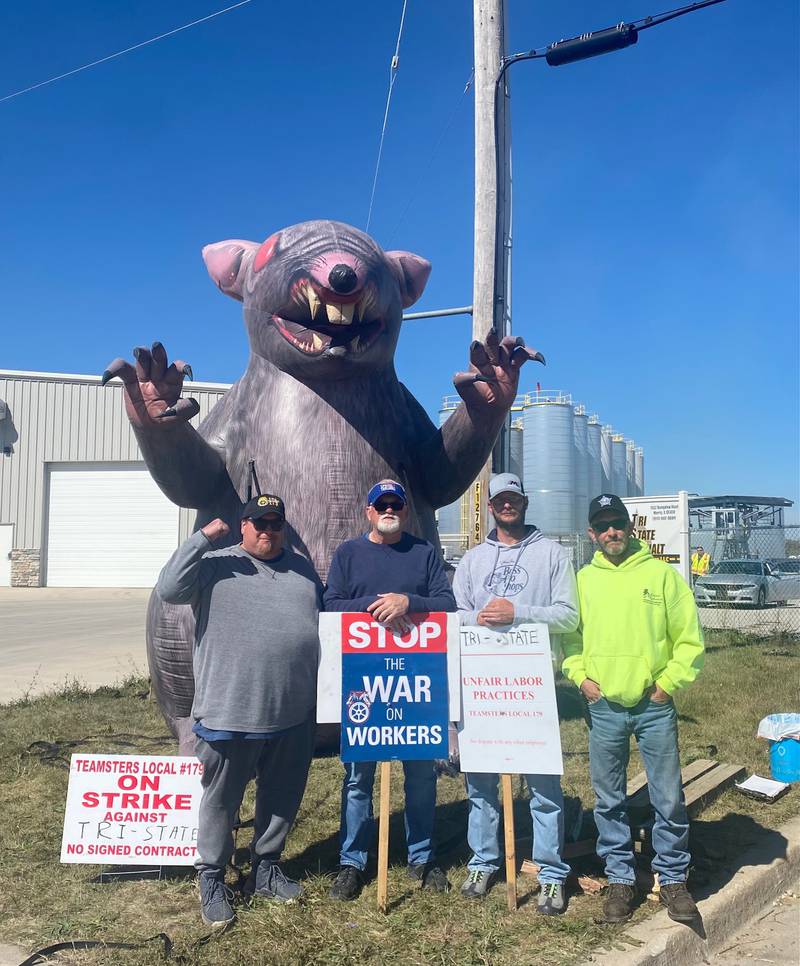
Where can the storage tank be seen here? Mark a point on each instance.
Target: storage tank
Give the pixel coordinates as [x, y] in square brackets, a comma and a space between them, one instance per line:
[549, 461]
[581, 440]
[619, 472]
[595, 470]
[517, 448]
[630, 470]
[605, 460]
[638, 473]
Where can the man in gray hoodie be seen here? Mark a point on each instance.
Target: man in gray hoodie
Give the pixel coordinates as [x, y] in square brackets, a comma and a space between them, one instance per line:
[256, 652]
[517, 574]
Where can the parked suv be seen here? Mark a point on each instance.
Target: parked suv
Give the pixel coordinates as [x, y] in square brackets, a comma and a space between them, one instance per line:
[754, 582]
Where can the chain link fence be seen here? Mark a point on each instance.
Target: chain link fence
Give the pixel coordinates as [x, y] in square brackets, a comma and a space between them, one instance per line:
[752, 587]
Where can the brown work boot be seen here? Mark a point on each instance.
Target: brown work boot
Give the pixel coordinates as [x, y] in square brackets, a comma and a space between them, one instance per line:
[680, 905]
[620, 902]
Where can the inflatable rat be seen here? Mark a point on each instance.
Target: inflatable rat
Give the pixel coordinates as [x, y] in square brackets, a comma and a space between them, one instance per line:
[319, 410]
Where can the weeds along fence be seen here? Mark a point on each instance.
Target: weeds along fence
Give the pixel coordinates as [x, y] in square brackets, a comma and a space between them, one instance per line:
[753, 583]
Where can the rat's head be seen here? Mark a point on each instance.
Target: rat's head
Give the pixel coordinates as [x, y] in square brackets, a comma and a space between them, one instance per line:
[321, 299]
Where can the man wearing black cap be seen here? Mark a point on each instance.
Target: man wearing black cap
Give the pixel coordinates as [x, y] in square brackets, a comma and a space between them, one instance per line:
[388, 573]
[638, 642]
[255, 659]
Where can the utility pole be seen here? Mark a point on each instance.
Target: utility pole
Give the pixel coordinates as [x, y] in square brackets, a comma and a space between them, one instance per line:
[491, 304]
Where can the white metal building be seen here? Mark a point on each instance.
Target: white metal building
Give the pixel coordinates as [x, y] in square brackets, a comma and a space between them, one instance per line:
[78, 507]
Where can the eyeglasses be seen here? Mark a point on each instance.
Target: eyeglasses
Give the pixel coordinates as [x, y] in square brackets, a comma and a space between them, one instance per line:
[513, 499]
[383, 505]
[602, 526]
[275, 526]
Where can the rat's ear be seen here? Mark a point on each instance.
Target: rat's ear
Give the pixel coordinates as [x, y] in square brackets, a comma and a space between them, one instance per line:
[227, 263]
[411, 272]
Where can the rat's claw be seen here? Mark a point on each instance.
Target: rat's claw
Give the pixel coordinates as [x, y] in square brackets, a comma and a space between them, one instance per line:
[118, 368]
[522, 353]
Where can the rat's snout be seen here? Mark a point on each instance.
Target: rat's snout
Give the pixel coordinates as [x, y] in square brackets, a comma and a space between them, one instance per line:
[342, 279]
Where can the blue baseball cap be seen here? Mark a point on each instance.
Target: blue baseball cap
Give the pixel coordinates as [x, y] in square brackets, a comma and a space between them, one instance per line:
[383, 489]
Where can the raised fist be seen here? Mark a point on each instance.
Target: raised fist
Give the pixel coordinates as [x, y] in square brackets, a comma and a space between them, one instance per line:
[153, 388]
[216, 530]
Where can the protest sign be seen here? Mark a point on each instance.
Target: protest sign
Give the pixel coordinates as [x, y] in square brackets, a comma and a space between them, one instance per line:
[662, 523]
[509, 720]
[329, 680]
[394, 689]
[132, 810]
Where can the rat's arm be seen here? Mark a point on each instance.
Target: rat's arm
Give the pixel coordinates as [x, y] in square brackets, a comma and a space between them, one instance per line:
[447, 460]
[188, 470]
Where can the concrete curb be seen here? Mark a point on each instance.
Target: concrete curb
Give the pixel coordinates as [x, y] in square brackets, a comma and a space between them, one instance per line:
[765, 872]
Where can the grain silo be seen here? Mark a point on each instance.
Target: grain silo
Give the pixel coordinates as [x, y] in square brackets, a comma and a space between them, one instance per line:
[516, 447]
[630, 467]
[638, 473]
[595, 474]
[549, 461]
[605, 459]
[581, 442]
[619, 472]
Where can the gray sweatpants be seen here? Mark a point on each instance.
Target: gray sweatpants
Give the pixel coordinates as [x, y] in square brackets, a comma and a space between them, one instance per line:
[280, 766]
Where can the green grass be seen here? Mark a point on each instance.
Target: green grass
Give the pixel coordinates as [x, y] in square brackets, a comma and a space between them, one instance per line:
[42, 902]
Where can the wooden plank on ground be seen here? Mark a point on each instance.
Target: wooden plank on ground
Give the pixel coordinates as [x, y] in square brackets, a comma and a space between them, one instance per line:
[711, 785]
[639, 798]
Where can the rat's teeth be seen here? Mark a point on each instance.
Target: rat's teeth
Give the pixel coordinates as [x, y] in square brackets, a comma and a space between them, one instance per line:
[313, 301]
[339, 314]
[316, 342]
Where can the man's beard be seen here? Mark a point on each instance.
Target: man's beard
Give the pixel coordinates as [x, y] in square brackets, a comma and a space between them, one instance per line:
[387, 526]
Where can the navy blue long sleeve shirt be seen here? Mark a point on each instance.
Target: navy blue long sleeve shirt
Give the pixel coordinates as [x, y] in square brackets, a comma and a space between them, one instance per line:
[361, 569]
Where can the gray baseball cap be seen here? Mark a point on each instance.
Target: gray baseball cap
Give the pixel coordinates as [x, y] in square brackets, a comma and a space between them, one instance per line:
[505, 483]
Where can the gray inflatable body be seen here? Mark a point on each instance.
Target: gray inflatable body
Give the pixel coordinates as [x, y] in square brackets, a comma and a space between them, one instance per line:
[319, 411]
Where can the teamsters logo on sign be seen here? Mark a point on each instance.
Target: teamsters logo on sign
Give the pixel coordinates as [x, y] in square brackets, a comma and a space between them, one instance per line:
[394, 689]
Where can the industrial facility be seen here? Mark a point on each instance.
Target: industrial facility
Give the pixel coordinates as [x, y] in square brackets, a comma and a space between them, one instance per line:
[564, 455]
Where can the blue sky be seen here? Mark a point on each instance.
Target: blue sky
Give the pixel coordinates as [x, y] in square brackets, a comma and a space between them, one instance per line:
[655, 199]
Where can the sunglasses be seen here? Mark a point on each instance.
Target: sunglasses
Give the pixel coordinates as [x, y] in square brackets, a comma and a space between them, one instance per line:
[275, 526]
[512, 499]
[383, 505]
[618, 524]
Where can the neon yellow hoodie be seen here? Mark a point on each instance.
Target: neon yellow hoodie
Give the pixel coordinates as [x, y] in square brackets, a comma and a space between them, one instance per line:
[639, 626]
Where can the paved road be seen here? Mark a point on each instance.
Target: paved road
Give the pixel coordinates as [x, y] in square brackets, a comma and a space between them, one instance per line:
[50, 635]
[774, 937]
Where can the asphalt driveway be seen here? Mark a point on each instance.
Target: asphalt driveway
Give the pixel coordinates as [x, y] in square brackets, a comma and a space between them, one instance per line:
[50, 636]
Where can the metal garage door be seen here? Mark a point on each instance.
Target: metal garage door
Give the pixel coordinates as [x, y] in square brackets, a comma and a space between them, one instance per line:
[108, 525]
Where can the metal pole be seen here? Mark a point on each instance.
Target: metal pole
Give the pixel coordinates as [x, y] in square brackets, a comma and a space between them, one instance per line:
[435, 313]
[489, 305]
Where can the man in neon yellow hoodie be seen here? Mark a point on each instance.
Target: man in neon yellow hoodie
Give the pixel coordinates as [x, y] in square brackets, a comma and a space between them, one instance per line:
[638, 642]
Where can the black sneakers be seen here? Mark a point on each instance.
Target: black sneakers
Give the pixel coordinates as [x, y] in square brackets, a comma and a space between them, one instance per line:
[620, 903]
[680, 905]
[349, 883]
[429, 876]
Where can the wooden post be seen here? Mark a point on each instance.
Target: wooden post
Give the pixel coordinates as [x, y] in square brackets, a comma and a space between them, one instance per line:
[511, 849]
[383, 835]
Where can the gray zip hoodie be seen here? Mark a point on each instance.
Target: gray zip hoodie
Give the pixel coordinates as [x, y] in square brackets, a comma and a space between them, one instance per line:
[535, 575]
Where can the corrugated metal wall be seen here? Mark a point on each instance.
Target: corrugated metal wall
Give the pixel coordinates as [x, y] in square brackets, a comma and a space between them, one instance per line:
[67, 419]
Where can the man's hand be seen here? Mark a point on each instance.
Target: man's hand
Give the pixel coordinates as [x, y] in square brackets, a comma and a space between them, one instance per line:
[591, 690]
[216, 530]
[390, 609]
[659, 695]
[496, 612]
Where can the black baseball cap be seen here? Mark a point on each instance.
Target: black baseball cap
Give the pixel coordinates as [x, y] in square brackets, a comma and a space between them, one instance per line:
[607, 501]
[261, 505]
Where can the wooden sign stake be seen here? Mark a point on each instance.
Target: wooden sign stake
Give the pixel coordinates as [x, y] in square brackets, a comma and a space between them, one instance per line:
[383, 835]
[511, 851]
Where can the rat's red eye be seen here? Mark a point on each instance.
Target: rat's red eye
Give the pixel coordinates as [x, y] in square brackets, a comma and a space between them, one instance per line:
[265, 253]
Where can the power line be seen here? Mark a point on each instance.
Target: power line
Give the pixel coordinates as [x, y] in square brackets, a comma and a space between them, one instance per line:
[393, 68]
[119, 53]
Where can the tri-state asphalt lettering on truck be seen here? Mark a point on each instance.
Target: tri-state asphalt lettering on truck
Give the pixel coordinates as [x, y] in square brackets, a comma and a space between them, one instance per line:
[394, 689]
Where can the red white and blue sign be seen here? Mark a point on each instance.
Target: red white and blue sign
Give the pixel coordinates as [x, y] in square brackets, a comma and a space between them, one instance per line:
[394, 689]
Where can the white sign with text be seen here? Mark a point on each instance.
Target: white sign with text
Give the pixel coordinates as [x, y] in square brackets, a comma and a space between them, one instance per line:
[662, 522]
[509, 721]
[132, 810]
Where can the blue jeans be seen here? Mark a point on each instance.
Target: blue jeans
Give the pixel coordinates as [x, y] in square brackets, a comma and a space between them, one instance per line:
[655, 727]
[547, 812]
[357, 827]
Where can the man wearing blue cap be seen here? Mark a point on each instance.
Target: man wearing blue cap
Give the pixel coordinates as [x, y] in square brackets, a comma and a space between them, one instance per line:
[388, 573]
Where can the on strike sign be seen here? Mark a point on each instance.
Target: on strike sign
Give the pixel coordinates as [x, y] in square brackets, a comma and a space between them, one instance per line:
[132, 810]
[394, 689]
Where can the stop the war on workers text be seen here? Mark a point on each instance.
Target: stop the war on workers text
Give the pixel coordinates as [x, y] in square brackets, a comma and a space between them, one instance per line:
[394, 689]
